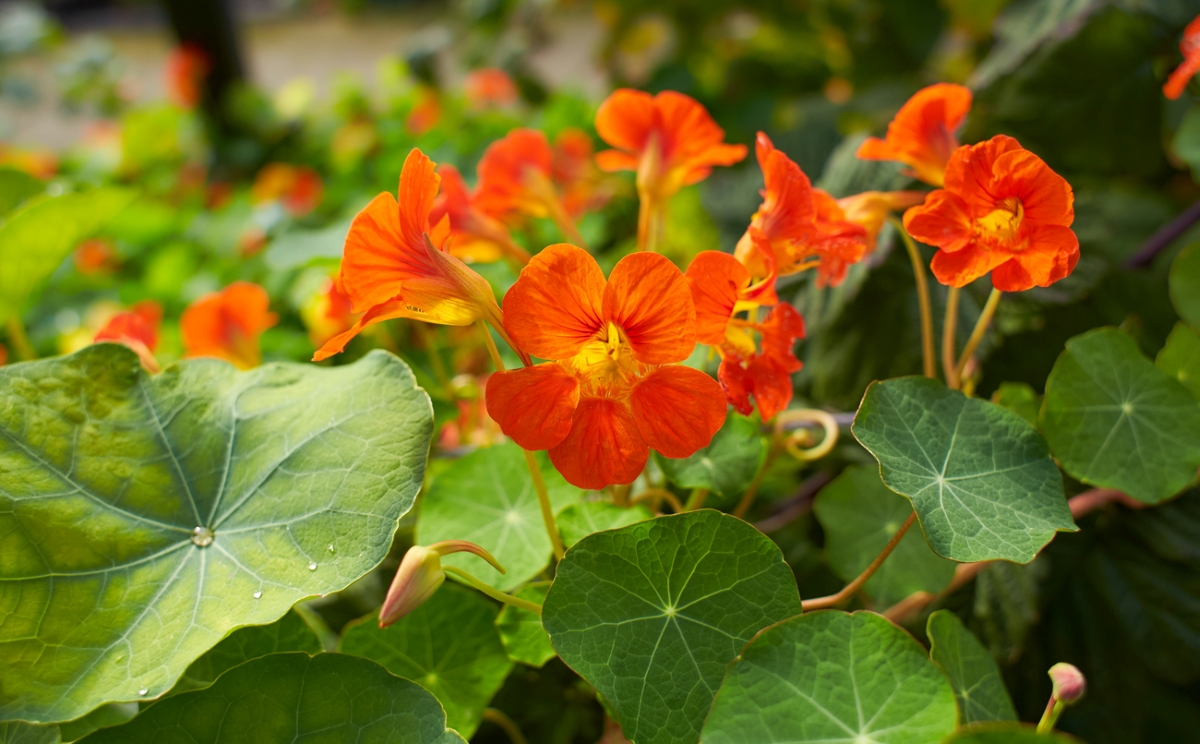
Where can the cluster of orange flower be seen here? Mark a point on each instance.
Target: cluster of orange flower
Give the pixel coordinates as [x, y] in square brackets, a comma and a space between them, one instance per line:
[603, 381]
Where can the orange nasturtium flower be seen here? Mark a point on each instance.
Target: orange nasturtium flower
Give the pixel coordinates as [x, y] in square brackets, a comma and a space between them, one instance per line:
[426, 113]
[476, 237]
[187, 66]
[803, 227]
[1002, 210]
[613, 389]
[327, 313]
[574, 172]
[96, 256]
[137, 328]
[871, 209]
[227, 324]
[1182, 75]
[488, 87]
[297, 187]
[922, 135]
[395, 265]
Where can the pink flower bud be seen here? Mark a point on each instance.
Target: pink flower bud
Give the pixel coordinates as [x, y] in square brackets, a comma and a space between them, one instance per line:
[419, 576]
[1069, 683]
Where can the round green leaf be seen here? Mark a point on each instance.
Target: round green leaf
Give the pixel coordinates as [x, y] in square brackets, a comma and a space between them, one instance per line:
[1180, 358]
[1020, 398]
[449, 645]
[578, 521]
[860, 516]
[972, 671]
[296, 475]
[833, 678]
[1006, 733]
[979, 476]
[293, 697]
[1116, 421]
[727, 465]
[651, 614]
[487, 497]
[289, 633]
[1184, 284]
[15, 732]
[521, 631]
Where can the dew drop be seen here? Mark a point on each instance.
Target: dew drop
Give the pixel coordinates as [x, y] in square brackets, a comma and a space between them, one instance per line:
[143, 691]
[332, 549]
[312, 566]
[257, 595]
[202, 537]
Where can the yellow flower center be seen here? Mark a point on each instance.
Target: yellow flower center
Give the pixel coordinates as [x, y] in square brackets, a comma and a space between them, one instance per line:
[1003, 223]
[606, 364]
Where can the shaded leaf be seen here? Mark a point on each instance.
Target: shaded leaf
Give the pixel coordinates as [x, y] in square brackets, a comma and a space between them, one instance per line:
[289, 633]
[578, 521]
[1113, 420]
[1024, 27]
[1184, 282]
[1180, 358]
[293, 697]
[1006, 733]
[521, 631]
[829, 676]
[15, 187]
[651, 614]
[1020, 398]
[978, 686]
[15, 732]
[727, 465]
[112, 714]
[979, 476]
[449, 645]
[296, 474]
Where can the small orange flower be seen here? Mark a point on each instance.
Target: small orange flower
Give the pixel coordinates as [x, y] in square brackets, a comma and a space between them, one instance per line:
[426, 113]
[476, 237]
[137, 328]
[613, 389]
[922, 135]
[766, 374]
[227, 324]
[1190, 46]
[187, 66]
[803, 227]
[3, 355]
[870, 209]
[669, 139]
[1003, 210]
[327, 313]
[297, 187]
[395, 266]
[574, 172]
[490, 87]
[96, 256]
[514, 176]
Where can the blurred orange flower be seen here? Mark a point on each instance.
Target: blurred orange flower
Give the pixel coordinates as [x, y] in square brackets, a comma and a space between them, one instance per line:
[137, 328]
[613, 389]
[515, 179]
[870, 209]
[488, 87]
[1003, 210]
[426, 113]
[395, 265]
[922, 134]
[475, 236]
[574, 171]
[96, 256]
[297, 187]
[327, 313]
[3, 355]
[1182, 75]
[186, 68]
[40, 164]
[227, 324]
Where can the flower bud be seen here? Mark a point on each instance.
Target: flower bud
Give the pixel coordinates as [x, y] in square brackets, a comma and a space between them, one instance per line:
[1069, 683]
[420, 574]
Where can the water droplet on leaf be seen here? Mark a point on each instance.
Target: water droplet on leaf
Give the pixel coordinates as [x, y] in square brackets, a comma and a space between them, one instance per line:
[312, 566]
[143, 691]
[257, 595]
[202, 537]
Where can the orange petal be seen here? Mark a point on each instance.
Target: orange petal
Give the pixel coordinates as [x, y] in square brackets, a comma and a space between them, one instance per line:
[376, 260]
[737, 384]
[779, 333]
[651, 301]
[1052, 254]
[787, 211]
[1046, 197]
[971, 173]
[505, 171]
[691, 139]
[377, 314]
[716, 280]
[678, 409]
[134, 331]
[612, 161]
[1181, 76]
[942, 221]
[604, 446]
[922, 133]
[772, 384]
[534, 405]
[227, 324]
[960, 268]
[555, 306]
[625, 121]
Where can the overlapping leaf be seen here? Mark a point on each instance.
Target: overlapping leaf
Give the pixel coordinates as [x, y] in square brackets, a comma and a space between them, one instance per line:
[521, 631]
[578, 521]
[1180, 358]
[972, 672]
[727, 465]
[1010, 733]
[296, 475]
[1184, 282]
[289, 633]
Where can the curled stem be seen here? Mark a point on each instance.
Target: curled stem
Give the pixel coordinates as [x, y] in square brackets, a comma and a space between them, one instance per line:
[504, 722]
[658, 495]
[20, 342]
[833, 600]
[814, 415]
[949, 331]
[981, 326]
[927, 356]
[492, 592]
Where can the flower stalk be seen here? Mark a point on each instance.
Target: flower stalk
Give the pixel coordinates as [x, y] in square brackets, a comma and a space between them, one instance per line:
[492, 592]
[929, 365]
[981, 326]
[949, 331]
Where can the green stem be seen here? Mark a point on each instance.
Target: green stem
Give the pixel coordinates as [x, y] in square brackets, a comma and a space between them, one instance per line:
[1054, 709]
[927, 356]
[981, 326]
[495, 594]
[506, 723]
[20, 342]
[949, 331]
[833, 600]
[752, 490]
[539, 485]
[696, 499]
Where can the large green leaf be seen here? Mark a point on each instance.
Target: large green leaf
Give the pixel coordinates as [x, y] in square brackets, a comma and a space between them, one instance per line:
[1114, 420]
[289, 633]
[521, 631]
[651, 614]
[1180, 358]
[27, 733]
[1020, 398]
[860, 515]
[833, 678]
[1006, 733]
[727, 465]
[36, 239]
[449, 645]
[972, 671]
[578, 521]
[1184, 281]
[979, 476]
[295, 475]
[15, 187]
[487, 497]
[293, 697]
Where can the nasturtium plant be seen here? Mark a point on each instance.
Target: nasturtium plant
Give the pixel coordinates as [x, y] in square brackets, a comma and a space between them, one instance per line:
[832, 676]
[994, 733]
[293, 697]
[521, 630]
[16, 732]
[1114, 420]
[978, 686]
[979, 476]
[652, 613]
[1180, 358]
[578, 521]
[726, 465]
[1184, 283]
[148, 516]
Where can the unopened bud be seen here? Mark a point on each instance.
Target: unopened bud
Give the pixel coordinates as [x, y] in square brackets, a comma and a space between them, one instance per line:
[419, 576]
[1069, 683]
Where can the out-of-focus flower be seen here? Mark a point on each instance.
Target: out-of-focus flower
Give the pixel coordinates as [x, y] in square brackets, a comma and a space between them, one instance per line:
[352, 142]
[227, 324]
[427, 111]
[490, 87]
[327, 313]
[3, 355]
[613, 389]
[922, 135]
[476, 237]
[473, 426]
[186, 68]
[574, 171]
[252, 240]
[41, 164]
[870, 209]
[1182, 75]
[297, 187]
[515, 179]
[96, 256]
[1069, 684]
[1002, 211]
[136, 328]
[421, 574]
[395, 266]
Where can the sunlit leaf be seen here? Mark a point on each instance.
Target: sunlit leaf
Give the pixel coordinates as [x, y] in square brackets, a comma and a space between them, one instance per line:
[521, 631]
[578, 521]
[1114, 420]
[293, 697]
[651, 614]
[978, 686]
[15, 187]
[15, 732]
[829, 677]
[296, 476]
[979, 476]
